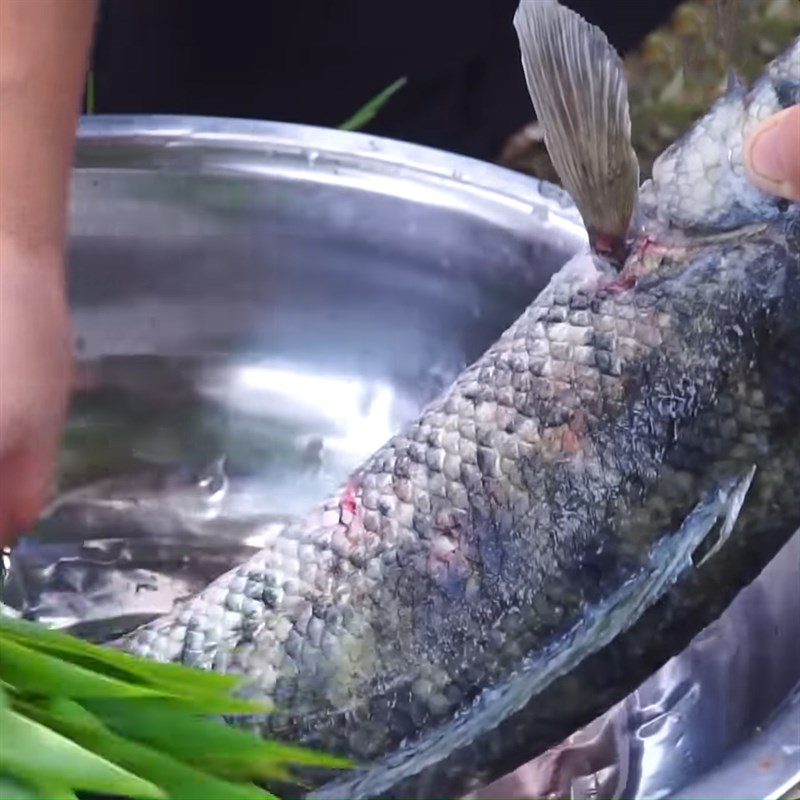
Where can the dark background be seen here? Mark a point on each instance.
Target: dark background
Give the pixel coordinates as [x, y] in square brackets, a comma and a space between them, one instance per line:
[318, 61]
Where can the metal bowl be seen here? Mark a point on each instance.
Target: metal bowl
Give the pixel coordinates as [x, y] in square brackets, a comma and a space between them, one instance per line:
[285, 298]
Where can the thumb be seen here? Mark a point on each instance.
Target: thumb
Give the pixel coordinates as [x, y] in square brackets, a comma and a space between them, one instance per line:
[772, 154]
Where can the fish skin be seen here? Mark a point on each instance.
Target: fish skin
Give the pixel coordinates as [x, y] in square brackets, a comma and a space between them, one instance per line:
[536, 488]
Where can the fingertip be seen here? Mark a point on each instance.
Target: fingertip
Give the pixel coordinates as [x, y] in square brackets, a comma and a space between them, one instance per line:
[772, 154]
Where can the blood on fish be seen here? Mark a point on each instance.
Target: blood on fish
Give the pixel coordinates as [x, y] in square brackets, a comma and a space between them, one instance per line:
[569, 442]
[609, 245]
[643, 245]
[624, 282]
[349, 502]
[646, 255]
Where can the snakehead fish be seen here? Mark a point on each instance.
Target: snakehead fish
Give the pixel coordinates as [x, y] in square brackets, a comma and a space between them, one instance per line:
[586, 496]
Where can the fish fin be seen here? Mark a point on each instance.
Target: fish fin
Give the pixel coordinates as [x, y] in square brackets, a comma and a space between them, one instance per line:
[716, 512]
[702, 534]
[731, 499]
[576, 82]
[727, 14]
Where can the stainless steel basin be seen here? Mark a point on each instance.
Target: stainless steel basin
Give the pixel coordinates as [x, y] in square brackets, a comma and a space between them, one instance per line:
[286, 297]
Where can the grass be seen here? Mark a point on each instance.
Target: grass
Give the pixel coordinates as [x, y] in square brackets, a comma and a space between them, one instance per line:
[370, 109]
[90, 96]
[362, 117]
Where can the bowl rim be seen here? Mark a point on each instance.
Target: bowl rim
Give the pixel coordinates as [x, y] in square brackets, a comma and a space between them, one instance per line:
[128, 141]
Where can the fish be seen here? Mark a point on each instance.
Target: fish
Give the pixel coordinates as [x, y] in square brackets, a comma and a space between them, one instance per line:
[585, 498]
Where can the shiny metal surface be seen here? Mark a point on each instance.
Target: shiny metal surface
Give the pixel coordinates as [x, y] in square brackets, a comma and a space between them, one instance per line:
[278, 300]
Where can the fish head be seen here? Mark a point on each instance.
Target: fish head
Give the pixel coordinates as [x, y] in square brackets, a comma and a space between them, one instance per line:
[699, 185]
[700, 182]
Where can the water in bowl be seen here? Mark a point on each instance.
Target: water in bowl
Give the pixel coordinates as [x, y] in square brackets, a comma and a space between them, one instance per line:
[173, 470]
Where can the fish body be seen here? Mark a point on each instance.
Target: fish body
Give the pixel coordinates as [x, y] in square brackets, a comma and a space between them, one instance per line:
[585, 497]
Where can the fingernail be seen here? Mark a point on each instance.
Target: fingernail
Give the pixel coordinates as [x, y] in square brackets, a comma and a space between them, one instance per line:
[766, 156]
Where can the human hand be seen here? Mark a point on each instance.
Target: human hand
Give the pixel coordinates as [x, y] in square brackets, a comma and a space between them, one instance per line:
[34, 381]
[44, 49]
[772, 154]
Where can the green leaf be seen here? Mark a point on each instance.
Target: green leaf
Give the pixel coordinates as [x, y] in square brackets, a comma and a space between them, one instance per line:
[39, 673]
[179, 781]
[11, 789]
[368, 111]
[39, 756]
[148, 720]
[64, 708]
[90, 101]
[209, 744]
[71, 648]
[210, 691]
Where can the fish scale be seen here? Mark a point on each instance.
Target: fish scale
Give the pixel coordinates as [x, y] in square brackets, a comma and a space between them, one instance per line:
[477, 546]
[521, 556]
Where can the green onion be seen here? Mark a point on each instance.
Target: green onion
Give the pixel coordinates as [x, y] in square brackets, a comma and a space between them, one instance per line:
[78, 718]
